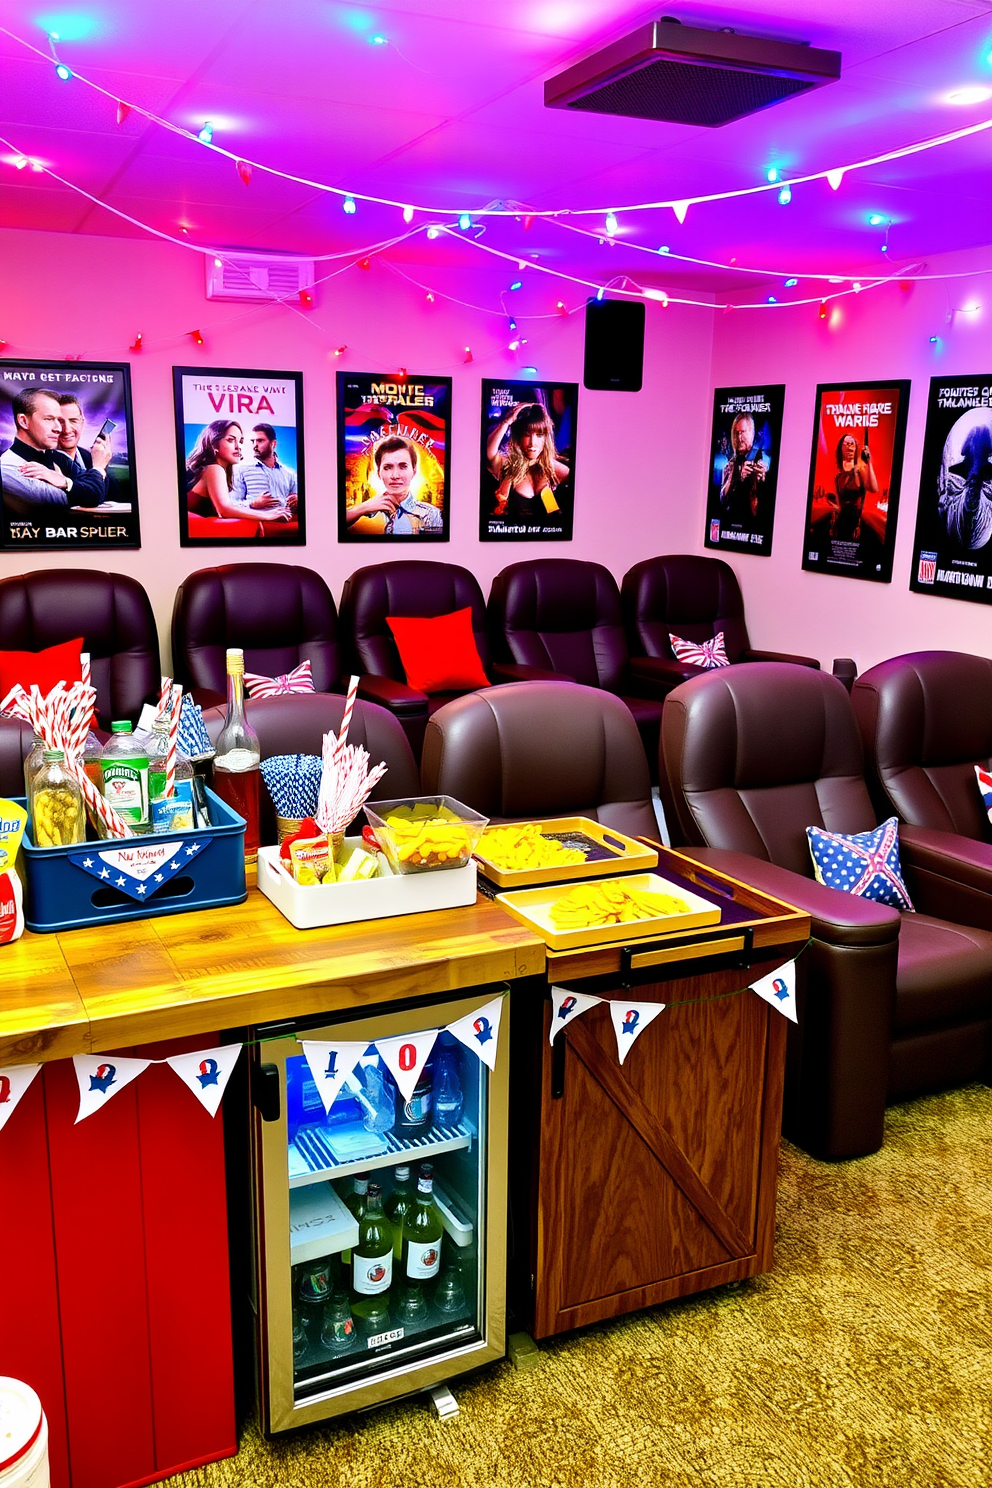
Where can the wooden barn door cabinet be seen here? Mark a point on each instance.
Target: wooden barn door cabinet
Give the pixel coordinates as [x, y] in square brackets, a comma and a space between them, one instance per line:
[655, 1179]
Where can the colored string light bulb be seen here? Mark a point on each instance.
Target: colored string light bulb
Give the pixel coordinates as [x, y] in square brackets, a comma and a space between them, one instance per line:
[196, 337]
[244, 171]
[823, 309]
[611, 223]
[517, 284]
[785, 196]
[877, 219]
[136, 343]
[407, 214]
[464, 222]
[772, 300]
[468, 354]
[206, 134]
[791, 283]
[20, 161]
[306, 299]
[513, 324]
[123, 109]
[432, 233]
[772, 174]
[61, 71]
[349, 205]
[562, 308]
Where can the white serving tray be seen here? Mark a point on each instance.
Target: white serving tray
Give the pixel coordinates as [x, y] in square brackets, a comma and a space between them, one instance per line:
[309, 907]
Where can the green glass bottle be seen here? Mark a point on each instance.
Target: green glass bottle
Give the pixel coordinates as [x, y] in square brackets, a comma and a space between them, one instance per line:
[422, 1228]
[372, 1257]
[399, 1201]
[356, 1202]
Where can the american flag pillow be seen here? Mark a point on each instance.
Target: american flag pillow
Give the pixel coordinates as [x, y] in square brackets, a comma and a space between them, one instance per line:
[704, 654]
[985, 786]
[300, 679]
[866, 864]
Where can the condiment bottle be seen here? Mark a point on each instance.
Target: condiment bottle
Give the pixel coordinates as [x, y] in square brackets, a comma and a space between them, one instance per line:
[58, 816]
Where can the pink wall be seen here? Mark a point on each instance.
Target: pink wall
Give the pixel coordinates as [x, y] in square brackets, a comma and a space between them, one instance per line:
[885, 333]
[635, 494]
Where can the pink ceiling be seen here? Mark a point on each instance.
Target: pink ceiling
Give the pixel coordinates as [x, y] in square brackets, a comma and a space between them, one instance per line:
[449, 112]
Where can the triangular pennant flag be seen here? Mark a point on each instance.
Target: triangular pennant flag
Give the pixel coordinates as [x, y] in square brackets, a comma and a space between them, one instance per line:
[123, 109]
[405, 1056]
[479, 1031]
[331, 1064]
[779, 988]
[565, 1006]
[630, 1020]
[13, 1082]
[100, 1077]
[206, 1072]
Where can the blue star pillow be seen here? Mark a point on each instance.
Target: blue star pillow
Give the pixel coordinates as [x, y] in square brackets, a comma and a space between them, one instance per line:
[866, 864]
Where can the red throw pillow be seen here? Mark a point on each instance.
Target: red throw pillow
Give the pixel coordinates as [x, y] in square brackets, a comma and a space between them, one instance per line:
[439, 654]
[56, 664]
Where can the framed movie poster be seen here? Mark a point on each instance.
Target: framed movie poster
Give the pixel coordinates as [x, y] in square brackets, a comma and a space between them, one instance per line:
[854, 475]
[239, 455]
[744, 459]
[527, 487]
[394, 449]
[67, 475]
[952, 552]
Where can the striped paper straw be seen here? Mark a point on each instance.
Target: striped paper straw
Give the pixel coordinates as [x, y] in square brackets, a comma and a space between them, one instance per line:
[55, 726]
[349, 708]
[84, 667]
[170, 748]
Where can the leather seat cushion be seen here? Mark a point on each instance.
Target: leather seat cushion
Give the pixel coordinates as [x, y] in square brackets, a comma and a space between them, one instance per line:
[945, 973]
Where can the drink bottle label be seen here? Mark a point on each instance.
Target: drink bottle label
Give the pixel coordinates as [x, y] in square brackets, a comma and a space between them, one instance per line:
[418, 1108]
[372, 1274]
[423, 1259]
[125, 786]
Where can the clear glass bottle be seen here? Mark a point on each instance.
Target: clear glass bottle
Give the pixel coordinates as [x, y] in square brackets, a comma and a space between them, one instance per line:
[157, 757]
[92, 756]
[58, 816]
[449, 1100]
[238, 756]
[32, 764]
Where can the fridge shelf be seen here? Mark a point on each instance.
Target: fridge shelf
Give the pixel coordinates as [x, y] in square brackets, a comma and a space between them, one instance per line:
[311, 1160]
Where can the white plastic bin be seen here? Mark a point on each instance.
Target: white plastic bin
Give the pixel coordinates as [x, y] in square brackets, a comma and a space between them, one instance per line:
[23, 1437]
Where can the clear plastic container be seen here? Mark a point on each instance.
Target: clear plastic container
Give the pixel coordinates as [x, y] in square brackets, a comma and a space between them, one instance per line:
[425, 833]
[124, 767]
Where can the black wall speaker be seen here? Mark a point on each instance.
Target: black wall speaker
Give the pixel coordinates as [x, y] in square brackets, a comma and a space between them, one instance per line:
[614, 345]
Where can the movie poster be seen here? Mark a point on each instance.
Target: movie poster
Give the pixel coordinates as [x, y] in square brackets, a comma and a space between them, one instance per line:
[952, 553]
[394, 448]
[744, 460]
[67, 475]
[239, 452]
[528, 461]
[854, 474]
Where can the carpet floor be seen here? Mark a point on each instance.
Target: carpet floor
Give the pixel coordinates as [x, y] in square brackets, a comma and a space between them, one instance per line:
[864, 1360]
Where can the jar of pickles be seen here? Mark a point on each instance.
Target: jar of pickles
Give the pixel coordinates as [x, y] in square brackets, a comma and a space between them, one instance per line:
[58, 816]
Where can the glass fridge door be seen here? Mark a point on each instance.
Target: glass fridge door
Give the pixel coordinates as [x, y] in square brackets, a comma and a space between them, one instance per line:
[381, 1223]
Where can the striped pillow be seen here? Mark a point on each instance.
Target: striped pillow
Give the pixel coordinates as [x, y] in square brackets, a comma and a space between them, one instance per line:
[299, 679]
[705, 654]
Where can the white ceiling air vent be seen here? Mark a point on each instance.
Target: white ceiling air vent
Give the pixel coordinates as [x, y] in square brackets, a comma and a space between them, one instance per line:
[257, 276]
[686, 75]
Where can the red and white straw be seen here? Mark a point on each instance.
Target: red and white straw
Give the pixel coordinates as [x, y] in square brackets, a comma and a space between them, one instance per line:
[349, 708]
[173, 741]
[61, 721]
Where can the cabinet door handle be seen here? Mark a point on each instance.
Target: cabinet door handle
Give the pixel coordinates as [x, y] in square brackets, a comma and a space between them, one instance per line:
[265, 1091]
[558, 1066]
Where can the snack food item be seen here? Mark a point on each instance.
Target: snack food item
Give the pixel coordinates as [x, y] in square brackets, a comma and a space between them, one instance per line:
[310, 858]
[429, 841]
[12, 822]
[58, 815]
[359, 865]
[611, 903]
[307, 828]
[513, 848]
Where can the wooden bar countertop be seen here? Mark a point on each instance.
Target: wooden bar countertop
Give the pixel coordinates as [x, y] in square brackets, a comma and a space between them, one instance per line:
[84, 991]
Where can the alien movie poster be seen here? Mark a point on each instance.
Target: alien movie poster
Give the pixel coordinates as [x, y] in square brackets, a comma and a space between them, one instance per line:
[952, 550]
[394, 452]
[239, 452]
[528, 461]
[67, 475]
[743, 472]
[854, 476]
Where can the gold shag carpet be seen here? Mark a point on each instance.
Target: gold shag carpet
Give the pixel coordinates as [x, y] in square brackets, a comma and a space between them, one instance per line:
[864, 1360]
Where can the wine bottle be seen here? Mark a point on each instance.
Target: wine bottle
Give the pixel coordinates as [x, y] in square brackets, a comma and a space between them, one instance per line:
[372, 1257]
[238, 756]
[357, 1202]
[421, 1254]
[397, 1204]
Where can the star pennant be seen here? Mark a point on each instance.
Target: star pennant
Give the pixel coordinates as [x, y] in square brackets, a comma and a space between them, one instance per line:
[206, 1072]
[779, 989]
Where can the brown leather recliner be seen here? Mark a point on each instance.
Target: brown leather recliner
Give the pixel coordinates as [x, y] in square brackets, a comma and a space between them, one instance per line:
[113, 615]
[563, 615]
[896, 1004]
[277, 613]
[542, 749]
[419, 589]
[694, 598]
[296, 724]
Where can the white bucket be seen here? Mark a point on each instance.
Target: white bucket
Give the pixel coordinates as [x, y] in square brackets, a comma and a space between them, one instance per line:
[23, 1437]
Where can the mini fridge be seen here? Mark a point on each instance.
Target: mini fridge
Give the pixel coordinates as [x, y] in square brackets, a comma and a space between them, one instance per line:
[426, 1312]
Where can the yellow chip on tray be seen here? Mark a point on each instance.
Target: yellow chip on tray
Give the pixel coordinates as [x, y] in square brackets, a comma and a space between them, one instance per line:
[513, 848]
[590, 906]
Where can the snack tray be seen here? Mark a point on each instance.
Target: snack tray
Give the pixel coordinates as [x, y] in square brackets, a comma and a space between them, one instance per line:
[310, 906]
[613, 853]
[533, 908]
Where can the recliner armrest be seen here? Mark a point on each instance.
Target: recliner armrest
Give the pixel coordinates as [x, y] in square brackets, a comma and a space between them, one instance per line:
[660, 673]
[836, 918]
[512, 671]
[400, 699]
[806, 661]
[948, 876]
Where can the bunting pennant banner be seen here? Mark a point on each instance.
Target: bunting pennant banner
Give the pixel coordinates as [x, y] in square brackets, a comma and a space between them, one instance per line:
[567, 1005]
[14, 1081]
[479, 1031]
[138, 871]
[405, 1057]
[206, 1073]
[331, 1064]
[100, 1077]
[630, 1020]
[779, 989]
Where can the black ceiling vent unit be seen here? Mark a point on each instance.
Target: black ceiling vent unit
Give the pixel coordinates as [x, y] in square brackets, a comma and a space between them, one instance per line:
[685, 75]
